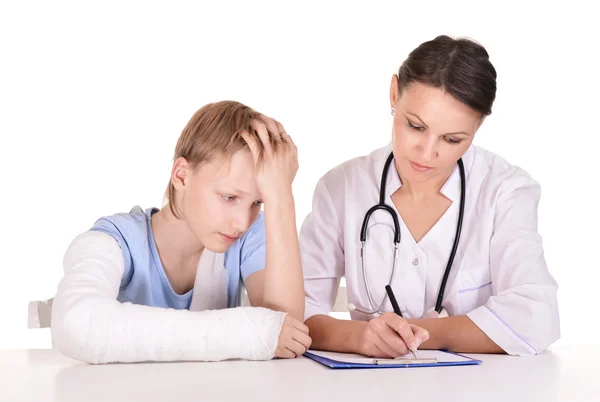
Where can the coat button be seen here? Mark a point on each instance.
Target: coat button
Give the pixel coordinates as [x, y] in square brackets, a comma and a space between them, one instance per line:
[415, 261]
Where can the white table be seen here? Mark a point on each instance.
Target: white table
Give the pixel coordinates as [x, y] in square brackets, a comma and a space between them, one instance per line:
[560, 374]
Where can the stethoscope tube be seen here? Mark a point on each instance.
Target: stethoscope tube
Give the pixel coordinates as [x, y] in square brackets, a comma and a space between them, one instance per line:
[461, 211]
[383, 206]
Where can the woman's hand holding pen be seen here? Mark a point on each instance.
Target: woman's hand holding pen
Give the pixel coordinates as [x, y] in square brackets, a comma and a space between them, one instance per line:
[389, 336]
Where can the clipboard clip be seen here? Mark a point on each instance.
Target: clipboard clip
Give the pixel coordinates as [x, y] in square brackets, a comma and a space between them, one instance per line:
[383, 362]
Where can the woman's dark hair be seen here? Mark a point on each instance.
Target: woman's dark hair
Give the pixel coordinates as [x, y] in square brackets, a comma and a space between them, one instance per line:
[460, 66]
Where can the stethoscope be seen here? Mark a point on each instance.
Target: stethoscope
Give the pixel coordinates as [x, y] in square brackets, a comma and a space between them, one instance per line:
[363, 239]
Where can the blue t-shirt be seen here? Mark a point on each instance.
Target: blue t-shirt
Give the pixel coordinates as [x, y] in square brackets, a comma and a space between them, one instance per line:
[144, 280]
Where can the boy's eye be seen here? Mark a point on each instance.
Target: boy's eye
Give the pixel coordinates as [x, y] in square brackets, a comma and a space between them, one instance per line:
[258, 203]
[229, 198]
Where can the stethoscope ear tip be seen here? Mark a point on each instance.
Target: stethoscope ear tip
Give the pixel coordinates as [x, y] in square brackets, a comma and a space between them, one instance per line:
[351, 307]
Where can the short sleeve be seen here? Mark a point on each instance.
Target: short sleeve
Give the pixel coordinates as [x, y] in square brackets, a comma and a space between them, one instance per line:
[253, 248]
[106, 226]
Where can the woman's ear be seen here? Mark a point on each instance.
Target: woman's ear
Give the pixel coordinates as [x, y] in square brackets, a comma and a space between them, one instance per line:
[394, 91]
[180, 173]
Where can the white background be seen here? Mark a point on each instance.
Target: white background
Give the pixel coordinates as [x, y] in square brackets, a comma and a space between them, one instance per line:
[94, 97]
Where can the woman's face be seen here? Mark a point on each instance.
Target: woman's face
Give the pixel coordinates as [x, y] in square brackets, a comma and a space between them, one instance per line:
[431, 130]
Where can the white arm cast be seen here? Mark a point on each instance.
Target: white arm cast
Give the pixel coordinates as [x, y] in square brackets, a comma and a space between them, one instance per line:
[89, 324]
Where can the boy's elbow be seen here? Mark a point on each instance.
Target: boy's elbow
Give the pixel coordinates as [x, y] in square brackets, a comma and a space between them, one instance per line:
[70, 334]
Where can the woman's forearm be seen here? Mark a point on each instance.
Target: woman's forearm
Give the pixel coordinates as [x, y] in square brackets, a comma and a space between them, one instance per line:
[283, 287]
[457, 333]
[328, 333]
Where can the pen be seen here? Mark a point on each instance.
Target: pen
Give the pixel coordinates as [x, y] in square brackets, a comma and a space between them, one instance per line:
[396, 308]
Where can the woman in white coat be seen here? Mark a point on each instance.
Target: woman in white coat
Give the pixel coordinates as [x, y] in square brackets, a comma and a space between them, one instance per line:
[477, 283]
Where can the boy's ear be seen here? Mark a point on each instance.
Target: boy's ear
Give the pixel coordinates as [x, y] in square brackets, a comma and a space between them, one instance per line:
[180, 173]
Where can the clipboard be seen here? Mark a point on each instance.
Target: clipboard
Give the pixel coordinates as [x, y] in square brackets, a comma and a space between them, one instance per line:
[443, 358]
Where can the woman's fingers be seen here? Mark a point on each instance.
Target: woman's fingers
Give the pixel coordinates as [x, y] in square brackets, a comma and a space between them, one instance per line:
[421, 334]
[383, 344]
[401, 326]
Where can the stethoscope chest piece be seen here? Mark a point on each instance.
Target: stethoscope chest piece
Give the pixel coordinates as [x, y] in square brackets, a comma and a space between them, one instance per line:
[431, 313]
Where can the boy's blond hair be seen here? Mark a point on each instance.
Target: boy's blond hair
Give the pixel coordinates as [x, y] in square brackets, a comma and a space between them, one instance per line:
[214, 131]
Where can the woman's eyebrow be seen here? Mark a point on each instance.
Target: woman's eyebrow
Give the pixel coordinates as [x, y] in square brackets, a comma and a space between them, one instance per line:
[417, 116]
[426, 126]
